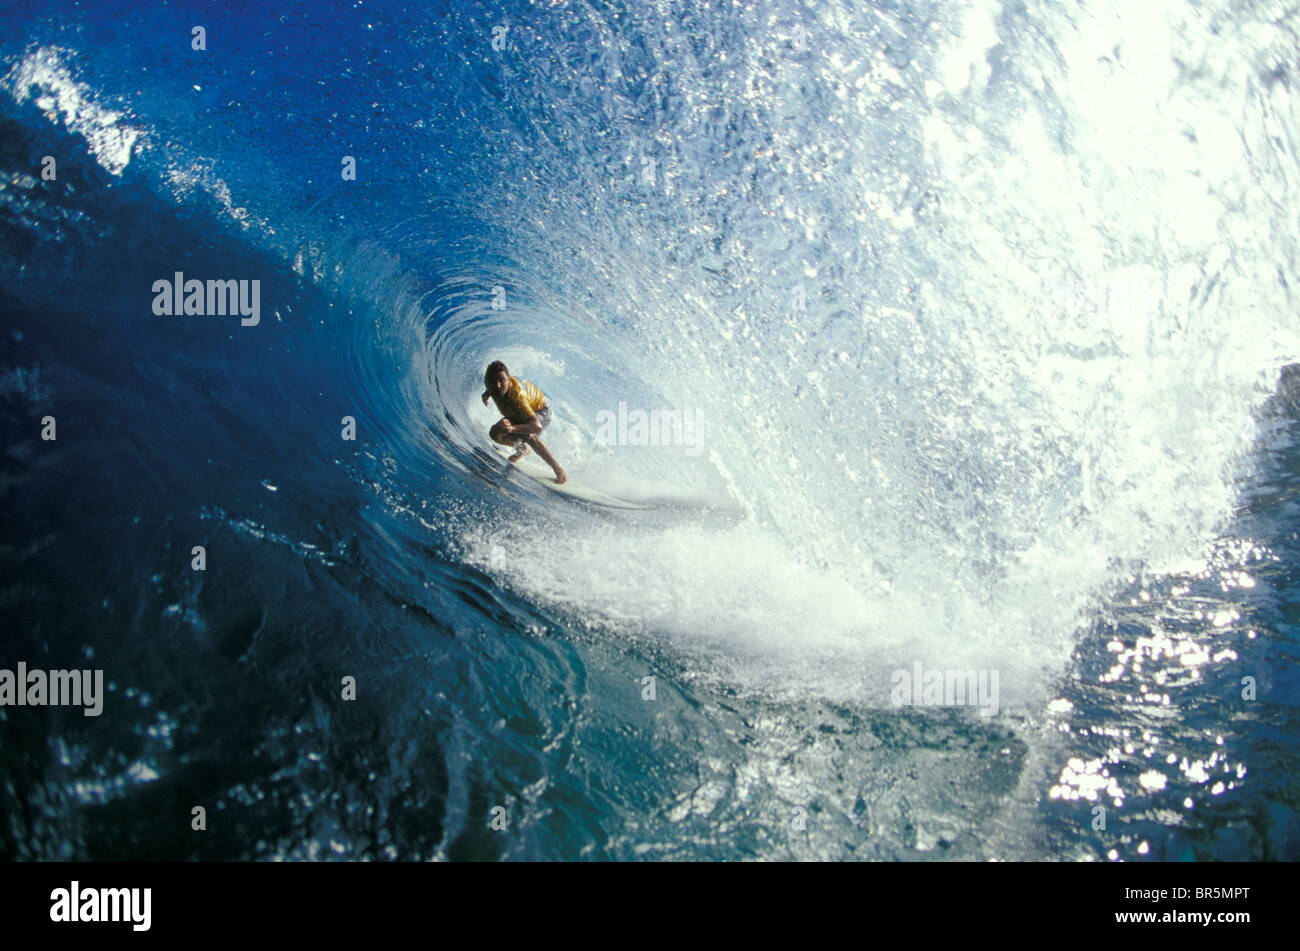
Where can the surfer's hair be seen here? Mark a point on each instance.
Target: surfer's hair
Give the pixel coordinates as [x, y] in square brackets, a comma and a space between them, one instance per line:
[495, 367]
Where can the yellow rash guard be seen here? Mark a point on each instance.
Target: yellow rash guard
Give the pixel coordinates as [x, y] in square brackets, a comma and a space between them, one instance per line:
[521, 402]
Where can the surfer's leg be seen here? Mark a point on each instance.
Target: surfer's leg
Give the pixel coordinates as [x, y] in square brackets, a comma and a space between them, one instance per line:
[515, 441]
[500, 436]
[542, 451]
[535, 426]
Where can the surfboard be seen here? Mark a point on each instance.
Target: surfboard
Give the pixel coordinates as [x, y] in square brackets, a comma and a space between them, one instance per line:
[538, 471]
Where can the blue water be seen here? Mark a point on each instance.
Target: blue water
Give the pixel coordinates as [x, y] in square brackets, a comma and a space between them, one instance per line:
[986, 311]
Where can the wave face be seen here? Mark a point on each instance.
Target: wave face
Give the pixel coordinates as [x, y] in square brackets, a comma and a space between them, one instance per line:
[965, 332]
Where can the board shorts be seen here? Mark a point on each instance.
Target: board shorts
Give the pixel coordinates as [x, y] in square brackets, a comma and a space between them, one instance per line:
[543, 416]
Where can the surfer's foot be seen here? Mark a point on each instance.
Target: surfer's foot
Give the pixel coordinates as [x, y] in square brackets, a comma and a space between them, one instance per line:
[518, 455]
[560, 477]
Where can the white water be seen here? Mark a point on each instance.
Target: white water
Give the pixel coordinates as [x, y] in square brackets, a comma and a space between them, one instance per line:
[1042, 262]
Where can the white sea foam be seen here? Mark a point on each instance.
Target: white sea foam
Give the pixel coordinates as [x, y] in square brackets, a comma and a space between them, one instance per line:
[43, 75]
[968, 449]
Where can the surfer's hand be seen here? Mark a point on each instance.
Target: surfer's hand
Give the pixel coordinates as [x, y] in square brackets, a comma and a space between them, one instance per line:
[506, 425]
[485, 399]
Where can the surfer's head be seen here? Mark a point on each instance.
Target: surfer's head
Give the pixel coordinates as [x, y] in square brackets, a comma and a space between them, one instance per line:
[497, 378]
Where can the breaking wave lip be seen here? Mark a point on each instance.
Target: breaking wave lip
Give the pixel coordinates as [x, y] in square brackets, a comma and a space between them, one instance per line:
[43, 75]
[1031, 460]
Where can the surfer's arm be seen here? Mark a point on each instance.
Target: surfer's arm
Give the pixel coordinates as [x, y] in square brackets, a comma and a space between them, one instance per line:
[486, 396]
[529, 427]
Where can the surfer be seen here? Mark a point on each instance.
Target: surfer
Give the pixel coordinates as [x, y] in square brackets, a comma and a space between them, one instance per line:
[524, 414]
